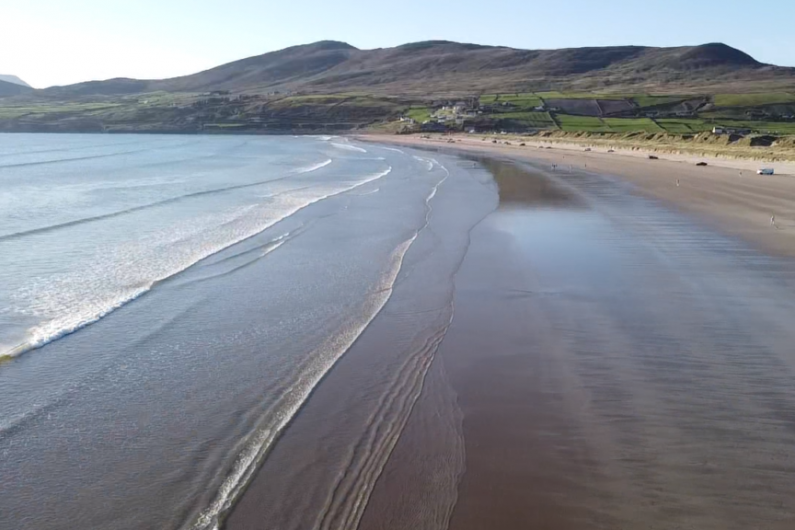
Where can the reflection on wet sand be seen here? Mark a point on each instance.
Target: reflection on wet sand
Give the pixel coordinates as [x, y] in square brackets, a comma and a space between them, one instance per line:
[523, 189]
[617, 366]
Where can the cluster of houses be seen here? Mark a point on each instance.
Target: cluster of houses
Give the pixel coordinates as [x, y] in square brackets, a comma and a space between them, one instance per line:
[454, 114]
[470, 113]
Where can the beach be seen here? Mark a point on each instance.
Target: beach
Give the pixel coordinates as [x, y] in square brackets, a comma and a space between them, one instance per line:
[391, 333]
[727, 194]
[169, 303]
[618, 357]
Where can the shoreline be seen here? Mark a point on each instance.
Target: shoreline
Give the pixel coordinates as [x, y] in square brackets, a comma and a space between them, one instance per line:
[596, 146]
[572, 358]
[727, 198]
[566, 417]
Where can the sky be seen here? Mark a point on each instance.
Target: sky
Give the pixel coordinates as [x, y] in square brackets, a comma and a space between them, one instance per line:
[57, 42]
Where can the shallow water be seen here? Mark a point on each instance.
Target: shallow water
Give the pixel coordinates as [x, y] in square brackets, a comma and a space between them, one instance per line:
[170, 302]
[522, 347]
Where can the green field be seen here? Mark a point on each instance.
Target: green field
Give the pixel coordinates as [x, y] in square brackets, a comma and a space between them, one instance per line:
[523, 100]
[691, 126]
[632, 125]
[615, 125]
[647, 100]
[752, 100]
[418, 114]
[772, 127]
[13, 111]
[531, 119]
[684, 126]
[581, 123]
[578, 95]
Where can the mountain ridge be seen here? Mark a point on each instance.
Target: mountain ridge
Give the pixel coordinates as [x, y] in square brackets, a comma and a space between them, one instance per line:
[13, 80]
[447, 66]
[13, 88]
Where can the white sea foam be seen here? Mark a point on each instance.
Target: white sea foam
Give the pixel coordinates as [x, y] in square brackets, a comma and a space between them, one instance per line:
[392, 149]
[313, 167]
[348, 147]
[288, 405]
[68, 302]
[427, 161]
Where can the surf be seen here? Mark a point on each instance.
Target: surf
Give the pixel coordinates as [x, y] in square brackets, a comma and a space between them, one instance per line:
[156, 204]
[76, 319]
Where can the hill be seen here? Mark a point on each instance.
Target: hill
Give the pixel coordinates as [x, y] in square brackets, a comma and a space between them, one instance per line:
[13, 79]
[331, 86]
[445, 67]
[13, 89]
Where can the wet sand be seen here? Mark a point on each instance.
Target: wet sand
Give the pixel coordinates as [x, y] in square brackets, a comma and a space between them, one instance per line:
[729, 197]
[613, 381]
[611, 363]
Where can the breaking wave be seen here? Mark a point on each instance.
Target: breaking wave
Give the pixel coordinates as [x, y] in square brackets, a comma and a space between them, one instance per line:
[94, 310]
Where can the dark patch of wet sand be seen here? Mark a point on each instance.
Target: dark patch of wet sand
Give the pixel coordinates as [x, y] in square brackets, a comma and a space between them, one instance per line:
[527, 465]
[617, 367]
[610, 365]
[731, 200]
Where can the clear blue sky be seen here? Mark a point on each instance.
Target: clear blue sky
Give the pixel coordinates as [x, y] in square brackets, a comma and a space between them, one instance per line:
[49, 42]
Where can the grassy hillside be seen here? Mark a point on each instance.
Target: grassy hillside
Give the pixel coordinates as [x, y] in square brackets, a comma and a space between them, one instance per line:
[450, 68]
[513, 112]
[333, 87]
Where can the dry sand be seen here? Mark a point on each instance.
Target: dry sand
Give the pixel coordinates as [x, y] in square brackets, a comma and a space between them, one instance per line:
[727, 194]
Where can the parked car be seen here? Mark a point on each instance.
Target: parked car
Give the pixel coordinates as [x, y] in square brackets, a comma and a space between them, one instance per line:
[611, 151]
[652, 157]
[587, 148]
[701, 164]
[765, 171]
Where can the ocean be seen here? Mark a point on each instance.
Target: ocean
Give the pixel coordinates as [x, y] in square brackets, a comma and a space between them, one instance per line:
[168, 303]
